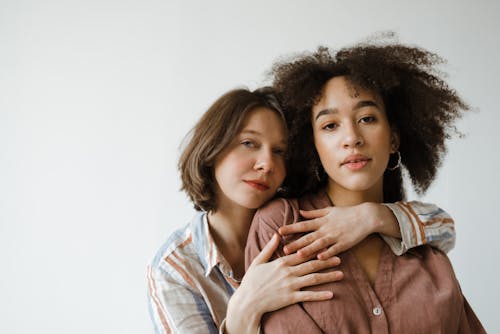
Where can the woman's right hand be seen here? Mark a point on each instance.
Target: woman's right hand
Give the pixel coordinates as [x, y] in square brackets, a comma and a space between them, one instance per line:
[268, 286]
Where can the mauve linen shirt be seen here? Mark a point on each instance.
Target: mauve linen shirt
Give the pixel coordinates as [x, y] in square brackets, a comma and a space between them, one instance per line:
[413, 293]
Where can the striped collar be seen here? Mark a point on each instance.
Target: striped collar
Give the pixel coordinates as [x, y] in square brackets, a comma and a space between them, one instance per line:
[207, 250]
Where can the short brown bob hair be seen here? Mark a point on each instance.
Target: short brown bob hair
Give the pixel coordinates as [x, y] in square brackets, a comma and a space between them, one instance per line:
[212, 134]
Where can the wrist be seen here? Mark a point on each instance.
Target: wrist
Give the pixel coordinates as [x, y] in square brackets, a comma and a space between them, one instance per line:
[242, 315]
[373, 216]
[384, 221]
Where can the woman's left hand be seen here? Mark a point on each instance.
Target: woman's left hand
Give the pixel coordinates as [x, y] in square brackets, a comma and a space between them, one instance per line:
[332, 230]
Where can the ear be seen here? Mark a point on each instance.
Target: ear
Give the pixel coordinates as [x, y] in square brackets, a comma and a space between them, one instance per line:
[394, 141]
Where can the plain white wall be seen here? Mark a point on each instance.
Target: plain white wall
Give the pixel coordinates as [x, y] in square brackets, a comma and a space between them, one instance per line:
[96, 96]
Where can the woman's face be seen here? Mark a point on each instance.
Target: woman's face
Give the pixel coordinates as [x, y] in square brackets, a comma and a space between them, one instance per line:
[250, 170]
[352, 136]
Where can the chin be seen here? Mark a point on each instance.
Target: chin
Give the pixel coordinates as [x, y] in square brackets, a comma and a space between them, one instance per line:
[358, 185]
[252, 204]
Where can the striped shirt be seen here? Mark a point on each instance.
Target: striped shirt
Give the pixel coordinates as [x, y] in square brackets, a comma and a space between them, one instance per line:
[190, 282]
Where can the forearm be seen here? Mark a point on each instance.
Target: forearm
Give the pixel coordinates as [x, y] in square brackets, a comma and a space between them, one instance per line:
[243, 315]
[419, 224]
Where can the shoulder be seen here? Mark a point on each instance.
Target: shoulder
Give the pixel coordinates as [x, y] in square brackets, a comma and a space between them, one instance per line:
[178, 253]
[435, 261]
[278, 212]
[266, 223]
[431, 270]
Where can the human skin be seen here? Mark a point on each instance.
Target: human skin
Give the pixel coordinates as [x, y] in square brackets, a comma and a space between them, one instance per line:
[353, 138]
[246, 308]
[248, 172]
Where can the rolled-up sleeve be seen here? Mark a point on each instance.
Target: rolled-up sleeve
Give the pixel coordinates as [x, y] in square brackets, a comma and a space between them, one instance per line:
[420, 224]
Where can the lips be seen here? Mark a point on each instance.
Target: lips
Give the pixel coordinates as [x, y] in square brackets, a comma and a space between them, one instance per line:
[257, 184]
[355, 161]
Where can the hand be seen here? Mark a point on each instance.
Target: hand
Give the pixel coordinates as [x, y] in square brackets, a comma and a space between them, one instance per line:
[335, 229]
[268, 286]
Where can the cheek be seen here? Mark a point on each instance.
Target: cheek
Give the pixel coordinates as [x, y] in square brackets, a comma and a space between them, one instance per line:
[230, 165]
[387, 141]
[325, 146]
[318, 143]
[384, 145]
[280, 171]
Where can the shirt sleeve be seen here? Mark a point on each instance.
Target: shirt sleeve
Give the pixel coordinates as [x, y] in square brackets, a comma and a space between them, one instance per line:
[266, 222]
[420, 224]
[175, 307]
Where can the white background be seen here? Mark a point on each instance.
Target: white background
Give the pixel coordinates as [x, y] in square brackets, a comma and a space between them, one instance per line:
[96, 96]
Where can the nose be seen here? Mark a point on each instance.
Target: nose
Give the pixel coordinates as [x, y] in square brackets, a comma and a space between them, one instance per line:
[352, 136]
[264, 162]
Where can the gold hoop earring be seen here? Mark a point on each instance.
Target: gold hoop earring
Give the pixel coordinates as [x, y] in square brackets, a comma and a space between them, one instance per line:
[398, 164]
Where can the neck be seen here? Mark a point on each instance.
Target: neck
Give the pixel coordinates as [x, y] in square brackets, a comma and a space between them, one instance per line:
[229, 228]
[341, 196]
[369, 250]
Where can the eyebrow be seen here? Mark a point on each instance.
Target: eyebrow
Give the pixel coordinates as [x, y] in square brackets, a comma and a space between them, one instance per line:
[360, 104]
[250, 131]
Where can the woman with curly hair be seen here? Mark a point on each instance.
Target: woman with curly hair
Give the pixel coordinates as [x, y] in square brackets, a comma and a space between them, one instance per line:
[358, 116]
[232, 164]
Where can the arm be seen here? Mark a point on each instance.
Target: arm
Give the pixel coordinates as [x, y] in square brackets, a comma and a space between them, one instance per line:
[175, 307]
[420, 224]
[286, 319]
[406, 225]
[268, 286]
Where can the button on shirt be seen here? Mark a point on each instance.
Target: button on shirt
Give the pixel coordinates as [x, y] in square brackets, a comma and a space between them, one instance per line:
[190, 282]
[414, 293]
[377, 310]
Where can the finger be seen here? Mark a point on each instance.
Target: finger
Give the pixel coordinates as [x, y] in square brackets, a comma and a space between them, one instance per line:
[320, 278]
[311, 296]
[299, 243]
[268, 250]
[294, 259]
[314, 247]
[331, 251]
[314, 266]
[310, 214]
[304, 226]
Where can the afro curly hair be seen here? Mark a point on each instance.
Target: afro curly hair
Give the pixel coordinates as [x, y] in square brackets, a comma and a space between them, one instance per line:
[419, 105]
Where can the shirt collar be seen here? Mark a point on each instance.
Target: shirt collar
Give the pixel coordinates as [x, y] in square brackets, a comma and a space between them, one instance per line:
[206, 248]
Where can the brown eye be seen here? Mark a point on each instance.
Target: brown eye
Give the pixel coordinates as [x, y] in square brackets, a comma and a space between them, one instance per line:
[248, 143]
[367, 119]
[279, 152]
[330, 126]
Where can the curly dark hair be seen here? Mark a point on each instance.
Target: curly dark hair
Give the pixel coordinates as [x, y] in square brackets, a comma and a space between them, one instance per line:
[419, 105]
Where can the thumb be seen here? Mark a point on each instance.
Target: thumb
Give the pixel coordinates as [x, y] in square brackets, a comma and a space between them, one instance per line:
[268, 250]
[318, 213]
